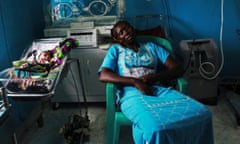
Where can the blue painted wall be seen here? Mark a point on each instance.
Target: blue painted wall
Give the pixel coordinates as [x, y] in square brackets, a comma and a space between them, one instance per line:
[188, 19]
[201, 19]
[135, 8]
[4, 58]
[23, 21]
[20, 23]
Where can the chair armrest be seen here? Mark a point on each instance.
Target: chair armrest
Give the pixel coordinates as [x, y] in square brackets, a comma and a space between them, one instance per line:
[110, 101]
[110, 111]
[182, 85]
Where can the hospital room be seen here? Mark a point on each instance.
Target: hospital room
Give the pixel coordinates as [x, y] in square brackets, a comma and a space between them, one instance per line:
[119, 72]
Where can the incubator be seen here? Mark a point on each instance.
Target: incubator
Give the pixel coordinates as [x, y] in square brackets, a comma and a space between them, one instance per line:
[70, 9]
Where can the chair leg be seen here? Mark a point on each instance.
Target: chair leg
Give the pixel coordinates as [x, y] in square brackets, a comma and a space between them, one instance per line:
[110, 133]
[110, 130]
[116, 133]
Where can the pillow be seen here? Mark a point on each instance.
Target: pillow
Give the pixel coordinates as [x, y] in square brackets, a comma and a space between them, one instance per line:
[156, 31]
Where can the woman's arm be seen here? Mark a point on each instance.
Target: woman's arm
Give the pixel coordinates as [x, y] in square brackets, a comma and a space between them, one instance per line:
[108, 75]
[173, 71]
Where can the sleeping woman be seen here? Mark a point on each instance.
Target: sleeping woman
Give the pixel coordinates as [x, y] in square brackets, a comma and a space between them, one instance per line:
[160, 115]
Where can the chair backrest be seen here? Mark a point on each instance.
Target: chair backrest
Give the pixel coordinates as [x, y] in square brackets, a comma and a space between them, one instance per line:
[158, 40]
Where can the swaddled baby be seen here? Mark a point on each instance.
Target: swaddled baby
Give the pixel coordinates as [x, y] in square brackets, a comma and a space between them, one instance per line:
[39, 65]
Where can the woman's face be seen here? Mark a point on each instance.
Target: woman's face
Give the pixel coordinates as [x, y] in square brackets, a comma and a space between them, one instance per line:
[124, 33]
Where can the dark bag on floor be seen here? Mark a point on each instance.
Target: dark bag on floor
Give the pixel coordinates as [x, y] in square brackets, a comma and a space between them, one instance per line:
[76, 130]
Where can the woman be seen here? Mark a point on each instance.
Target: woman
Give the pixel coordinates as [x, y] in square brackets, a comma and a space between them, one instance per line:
[159, 114]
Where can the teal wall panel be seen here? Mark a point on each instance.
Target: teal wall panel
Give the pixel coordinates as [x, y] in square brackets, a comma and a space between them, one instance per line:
[22, 21]
[188, 19]
[4, 51]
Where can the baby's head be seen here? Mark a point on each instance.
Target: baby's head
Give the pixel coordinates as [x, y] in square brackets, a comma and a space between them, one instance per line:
[45, 57]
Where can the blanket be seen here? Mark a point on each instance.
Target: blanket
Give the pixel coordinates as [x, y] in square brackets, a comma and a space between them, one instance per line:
[30, 74]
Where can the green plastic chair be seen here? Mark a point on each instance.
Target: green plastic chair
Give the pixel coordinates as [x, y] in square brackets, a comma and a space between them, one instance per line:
[115, 118]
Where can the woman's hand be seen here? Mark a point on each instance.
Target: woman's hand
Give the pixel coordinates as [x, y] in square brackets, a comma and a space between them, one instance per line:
[109, 76]
[143, 87]
[149, 79]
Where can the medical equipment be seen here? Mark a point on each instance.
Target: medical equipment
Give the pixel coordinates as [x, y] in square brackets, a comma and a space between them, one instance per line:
[72, 9]
[87, 38]
[104, 36]
[82, 25]
[200, 58]
[99, 7]
[55, 32]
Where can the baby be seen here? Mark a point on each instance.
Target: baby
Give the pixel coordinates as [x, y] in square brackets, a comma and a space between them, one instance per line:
[39, 65]
[46, 60]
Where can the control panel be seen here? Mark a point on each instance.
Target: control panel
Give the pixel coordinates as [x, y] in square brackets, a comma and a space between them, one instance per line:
[87, 38]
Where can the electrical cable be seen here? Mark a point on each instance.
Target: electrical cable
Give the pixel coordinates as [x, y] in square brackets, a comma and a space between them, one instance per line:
[84, 122]
[75, 84]
[83, 91]
[202, 71]
[168, 15]
[206, 64]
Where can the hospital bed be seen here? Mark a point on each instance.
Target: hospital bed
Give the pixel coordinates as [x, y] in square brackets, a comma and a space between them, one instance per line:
[44, 82]
[44, 87]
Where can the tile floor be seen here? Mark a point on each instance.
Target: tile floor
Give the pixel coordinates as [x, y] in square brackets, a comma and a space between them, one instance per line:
[226, 130]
